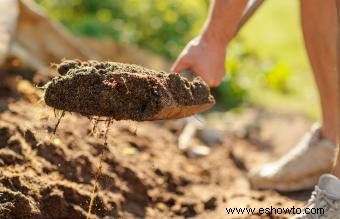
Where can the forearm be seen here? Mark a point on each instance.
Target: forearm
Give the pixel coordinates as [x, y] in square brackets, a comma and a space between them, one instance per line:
[223, 20]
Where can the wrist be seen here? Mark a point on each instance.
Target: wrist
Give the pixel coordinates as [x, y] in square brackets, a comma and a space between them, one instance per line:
[214, 40]
[215, 37]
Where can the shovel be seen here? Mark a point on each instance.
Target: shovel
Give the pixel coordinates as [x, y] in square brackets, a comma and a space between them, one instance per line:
[125, 92]
[129, 92]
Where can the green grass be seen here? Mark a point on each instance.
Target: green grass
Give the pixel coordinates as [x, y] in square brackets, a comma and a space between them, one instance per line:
[274, 32]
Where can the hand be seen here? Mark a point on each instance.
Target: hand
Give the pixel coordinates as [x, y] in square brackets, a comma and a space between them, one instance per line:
[205, 58]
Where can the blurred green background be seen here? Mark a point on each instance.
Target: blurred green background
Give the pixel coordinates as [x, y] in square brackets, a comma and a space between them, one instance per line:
[266, 64]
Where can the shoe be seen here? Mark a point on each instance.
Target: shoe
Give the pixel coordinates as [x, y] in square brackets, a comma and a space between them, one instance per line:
[299, 169]
[325, 200]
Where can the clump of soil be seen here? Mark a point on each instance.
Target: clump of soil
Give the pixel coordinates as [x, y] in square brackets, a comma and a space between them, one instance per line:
[124, 91]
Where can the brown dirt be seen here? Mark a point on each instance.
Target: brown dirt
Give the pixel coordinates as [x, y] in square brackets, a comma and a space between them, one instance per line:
[144, 174]
[121, 91]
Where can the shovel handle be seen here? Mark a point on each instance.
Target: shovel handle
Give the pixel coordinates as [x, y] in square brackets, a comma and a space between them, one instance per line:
[250, 10]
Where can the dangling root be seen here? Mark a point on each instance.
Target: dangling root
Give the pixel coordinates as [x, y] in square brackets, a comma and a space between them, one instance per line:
[95, 124]
[98, 173]
[58, 122]
[107, 130]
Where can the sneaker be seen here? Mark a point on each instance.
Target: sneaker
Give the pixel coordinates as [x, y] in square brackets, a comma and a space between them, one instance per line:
[299, 169]
[325, 200]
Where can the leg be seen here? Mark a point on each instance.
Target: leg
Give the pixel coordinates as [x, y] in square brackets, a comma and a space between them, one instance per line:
[336, 171]
[314, 155]
[320, 34]
[327, 190]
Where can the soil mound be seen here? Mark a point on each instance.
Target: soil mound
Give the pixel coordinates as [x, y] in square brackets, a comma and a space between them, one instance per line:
[125, 92]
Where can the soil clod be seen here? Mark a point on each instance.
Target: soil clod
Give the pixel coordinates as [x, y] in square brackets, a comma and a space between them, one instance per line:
[125, 92]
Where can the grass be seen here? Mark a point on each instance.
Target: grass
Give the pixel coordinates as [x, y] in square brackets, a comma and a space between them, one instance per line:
[274, 32]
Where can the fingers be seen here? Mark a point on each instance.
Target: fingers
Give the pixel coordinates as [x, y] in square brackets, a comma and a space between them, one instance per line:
[213, 79]
[181, 64]
[206, 61]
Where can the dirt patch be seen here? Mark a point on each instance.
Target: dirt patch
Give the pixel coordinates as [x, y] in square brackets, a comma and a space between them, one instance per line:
[124, 91]
[144, 174]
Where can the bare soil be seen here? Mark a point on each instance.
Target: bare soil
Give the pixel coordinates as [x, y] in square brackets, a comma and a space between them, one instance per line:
[144, 173]
[121, 91]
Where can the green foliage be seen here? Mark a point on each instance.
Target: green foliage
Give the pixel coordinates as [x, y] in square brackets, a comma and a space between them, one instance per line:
[161, 26]
[274, 33]
[230, 94]
[248, 72]
[277, 79]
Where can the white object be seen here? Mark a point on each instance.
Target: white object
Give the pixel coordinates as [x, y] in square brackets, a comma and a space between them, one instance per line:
[325, 200]
[300, 168]
[8, 19]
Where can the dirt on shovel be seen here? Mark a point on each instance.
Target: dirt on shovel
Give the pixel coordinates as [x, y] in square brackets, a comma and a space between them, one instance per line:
[125, 92]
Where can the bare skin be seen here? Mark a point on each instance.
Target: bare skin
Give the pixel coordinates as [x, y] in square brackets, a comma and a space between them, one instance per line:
[319, 25]
[336, 170]
[205, 55]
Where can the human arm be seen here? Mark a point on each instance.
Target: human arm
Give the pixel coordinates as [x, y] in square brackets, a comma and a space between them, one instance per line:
[205, 55]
